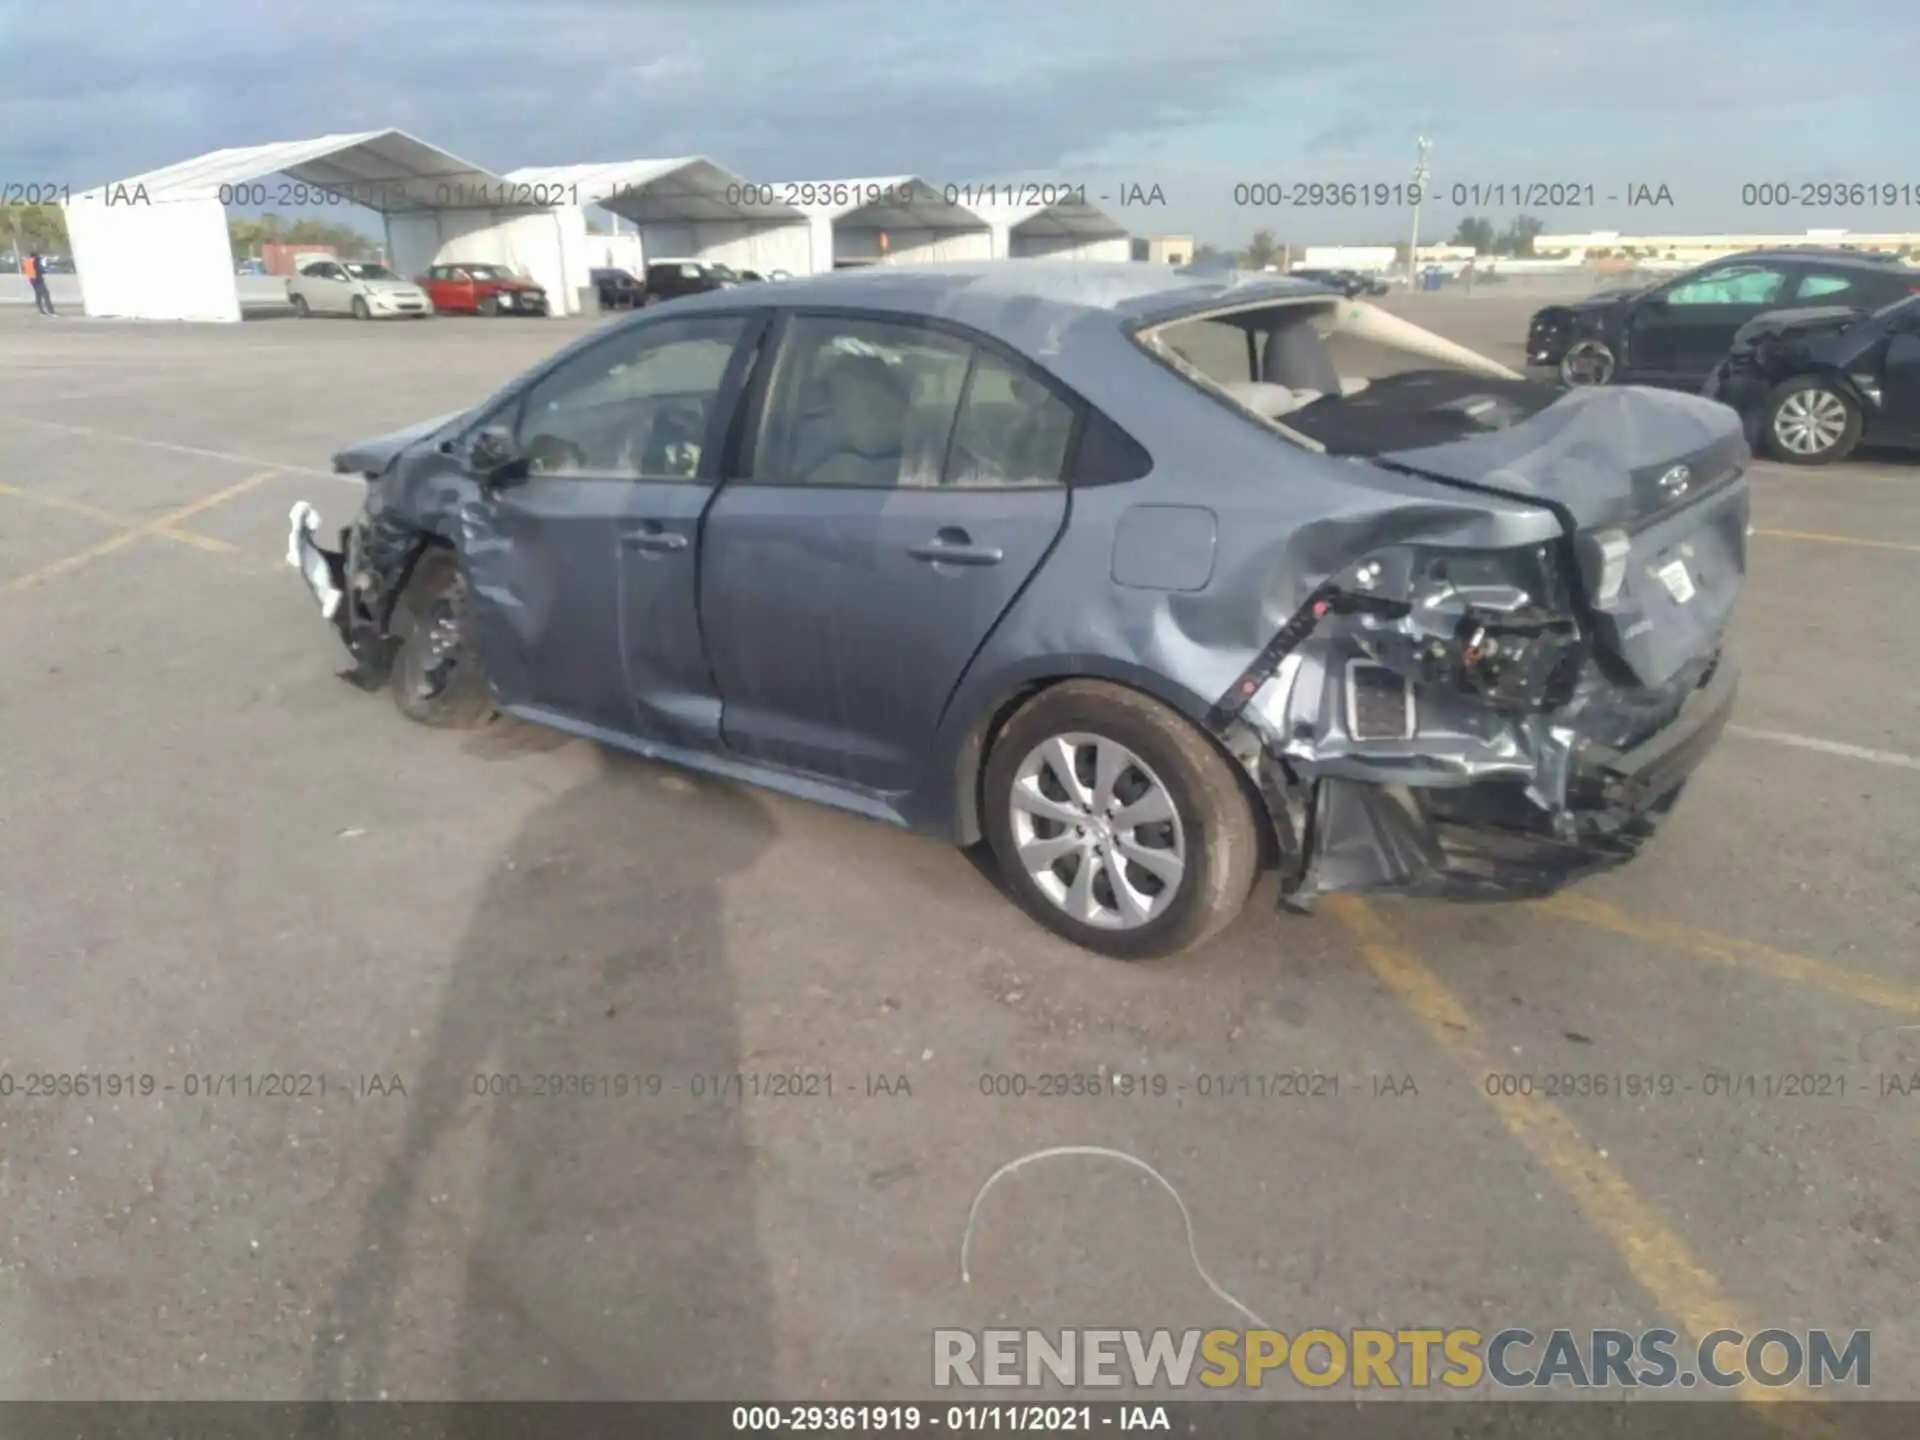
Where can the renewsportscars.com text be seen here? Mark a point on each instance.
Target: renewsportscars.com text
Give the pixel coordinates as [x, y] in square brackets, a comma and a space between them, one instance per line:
[1417, 1359]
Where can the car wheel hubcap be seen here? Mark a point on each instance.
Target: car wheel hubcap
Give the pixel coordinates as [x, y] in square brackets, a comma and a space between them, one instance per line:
[1097, 831]
[1588, 364]
[437, 659]
[1809, 422]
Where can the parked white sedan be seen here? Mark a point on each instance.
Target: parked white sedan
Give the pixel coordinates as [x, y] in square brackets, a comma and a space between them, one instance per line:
[325, 286]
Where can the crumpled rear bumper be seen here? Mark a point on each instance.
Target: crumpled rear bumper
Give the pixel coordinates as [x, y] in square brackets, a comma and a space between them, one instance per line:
[1492, 840]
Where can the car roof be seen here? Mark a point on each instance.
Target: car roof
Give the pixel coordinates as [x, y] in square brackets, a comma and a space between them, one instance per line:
[1015, 296]
[1829, 255]
[1070, 316]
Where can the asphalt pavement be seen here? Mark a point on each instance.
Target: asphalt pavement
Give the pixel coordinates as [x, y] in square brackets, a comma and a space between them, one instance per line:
[434, 1065]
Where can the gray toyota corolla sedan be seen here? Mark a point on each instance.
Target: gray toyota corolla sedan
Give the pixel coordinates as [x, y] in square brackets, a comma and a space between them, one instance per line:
[1149, 580]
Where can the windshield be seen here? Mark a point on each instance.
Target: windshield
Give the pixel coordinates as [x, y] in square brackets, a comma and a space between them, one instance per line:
[488, 272]
[722, 272]
[1342, 376]
[370, 272]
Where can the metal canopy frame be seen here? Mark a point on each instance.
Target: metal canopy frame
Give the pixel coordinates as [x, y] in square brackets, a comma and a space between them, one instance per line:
[388, 171]
[686, 190]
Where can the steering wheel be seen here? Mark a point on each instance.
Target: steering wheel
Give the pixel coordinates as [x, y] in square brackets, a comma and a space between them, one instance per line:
[550, 455]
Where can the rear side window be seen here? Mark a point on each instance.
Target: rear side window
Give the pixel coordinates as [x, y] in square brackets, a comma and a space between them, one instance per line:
[1830, 289]
[861, 402]
[1012, 429]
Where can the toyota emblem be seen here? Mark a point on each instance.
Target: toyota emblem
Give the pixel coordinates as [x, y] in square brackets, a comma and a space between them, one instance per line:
[1674, 483]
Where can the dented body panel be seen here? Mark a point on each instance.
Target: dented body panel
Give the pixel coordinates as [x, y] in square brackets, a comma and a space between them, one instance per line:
[1439, 667]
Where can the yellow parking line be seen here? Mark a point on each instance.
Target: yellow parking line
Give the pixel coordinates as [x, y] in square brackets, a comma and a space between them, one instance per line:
[76, 507]
[1840, 540]
[1729, 950]
[166, 527]
[1657, 1257]
[219, 497]
[72, 562]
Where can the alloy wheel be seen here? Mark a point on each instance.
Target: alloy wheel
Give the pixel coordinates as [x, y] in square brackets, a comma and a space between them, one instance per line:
[1810, 422]
[1097, 831]
[1587, 363]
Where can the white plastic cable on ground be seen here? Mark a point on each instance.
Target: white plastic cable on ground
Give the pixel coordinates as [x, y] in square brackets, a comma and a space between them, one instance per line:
[1101, 1152]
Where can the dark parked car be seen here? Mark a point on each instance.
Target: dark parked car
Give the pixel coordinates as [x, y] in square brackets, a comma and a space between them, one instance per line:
[670, 279]
[1673, 333]
[1812, 384]
[1107, 565]
[1350, 283]
[618, 289]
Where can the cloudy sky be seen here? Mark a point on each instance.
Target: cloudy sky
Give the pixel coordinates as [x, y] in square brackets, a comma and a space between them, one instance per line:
[1196, 96]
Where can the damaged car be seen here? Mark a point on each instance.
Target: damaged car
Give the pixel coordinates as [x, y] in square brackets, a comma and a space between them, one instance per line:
[1150, 581]
[1813, 384]
[1673, 333]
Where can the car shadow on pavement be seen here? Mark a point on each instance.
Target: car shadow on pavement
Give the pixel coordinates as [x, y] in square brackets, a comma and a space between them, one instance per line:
[595, 1244]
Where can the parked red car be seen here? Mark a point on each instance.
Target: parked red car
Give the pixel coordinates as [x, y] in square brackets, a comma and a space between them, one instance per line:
[482, 290]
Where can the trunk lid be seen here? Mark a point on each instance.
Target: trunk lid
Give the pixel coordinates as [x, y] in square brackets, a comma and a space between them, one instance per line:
[1650, 486]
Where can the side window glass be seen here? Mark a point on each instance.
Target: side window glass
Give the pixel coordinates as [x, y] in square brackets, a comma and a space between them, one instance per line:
[1734, 285]
[1013, 430]
[638, 405]
[1835, 289]
[861, 402]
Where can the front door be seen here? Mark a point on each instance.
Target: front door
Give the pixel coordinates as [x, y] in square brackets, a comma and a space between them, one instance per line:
[899, 487]
[1678, 334]
[583, 575]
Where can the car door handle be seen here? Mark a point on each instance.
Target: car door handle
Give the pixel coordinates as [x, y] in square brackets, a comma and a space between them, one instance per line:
[654, 541]
[956, 547]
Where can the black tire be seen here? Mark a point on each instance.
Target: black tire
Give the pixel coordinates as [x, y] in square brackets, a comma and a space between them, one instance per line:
[360, 310]
[1214, 815]
[1587, 362]
[1800, 397]
[300, 307]
[447, 690]
[490, 305]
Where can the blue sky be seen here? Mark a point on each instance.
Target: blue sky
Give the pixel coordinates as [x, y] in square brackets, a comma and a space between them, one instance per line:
[1195, 96]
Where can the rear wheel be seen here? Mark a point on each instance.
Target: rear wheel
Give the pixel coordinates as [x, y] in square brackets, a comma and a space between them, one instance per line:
[1116, 824]
[1810, 422]
[438, 680]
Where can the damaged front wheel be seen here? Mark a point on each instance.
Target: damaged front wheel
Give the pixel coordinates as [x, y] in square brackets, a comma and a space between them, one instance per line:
[437, 678]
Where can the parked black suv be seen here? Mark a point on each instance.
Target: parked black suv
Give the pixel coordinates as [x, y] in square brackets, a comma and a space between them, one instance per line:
[1674, 333]
[619, 289]
[668, 279]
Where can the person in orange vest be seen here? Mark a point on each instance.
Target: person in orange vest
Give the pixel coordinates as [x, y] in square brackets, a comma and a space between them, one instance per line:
[36, 270]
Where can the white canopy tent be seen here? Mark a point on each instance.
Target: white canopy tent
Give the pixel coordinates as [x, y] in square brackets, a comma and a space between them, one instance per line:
[155, 247]
[687, 207]
[1066, 230]
[894, 219]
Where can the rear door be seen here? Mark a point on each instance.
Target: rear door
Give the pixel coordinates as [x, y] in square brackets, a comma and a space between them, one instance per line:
[1900, 377]
[897, 486]
[1679, 333]
[583, 577]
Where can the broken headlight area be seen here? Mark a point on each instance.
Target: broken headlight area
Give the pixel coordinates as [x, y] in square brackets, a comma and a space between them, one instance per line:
[1437, 722]
[368, 570]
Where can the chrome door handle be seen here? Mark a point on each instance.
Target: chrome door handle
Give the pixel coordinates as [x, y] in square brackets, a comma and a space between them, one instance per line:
[940, 552]
[656, 542]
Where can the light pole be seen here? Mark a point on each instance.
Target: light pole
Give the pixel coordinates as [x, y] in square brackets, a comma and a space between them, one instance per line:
[1420, 173]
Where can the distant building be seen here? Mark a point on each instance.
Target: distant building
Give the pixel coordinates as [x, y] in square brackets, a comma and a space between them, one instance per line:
[1164, 249]
[1683, 250]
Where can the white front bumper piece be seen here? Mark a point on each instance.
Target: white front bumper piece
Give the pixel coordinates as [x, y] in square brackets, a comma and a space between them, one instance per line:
[303, 553]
